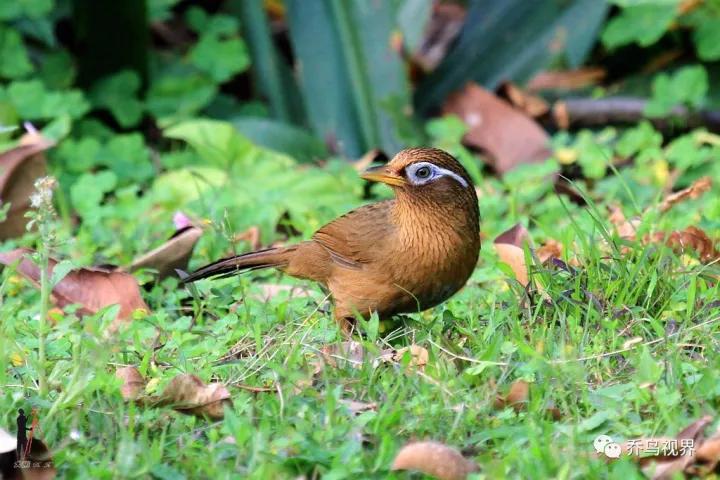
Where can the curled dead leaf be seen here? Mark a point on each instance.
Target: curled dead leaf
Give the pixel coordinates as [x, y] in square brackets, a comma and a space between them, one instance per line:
[19, 168]
[662, 458]
[171, 255]
[692, 239]
[418, 356]
[251, 236]
[510, 137]
[531, 105]
[188, 394]
[434, 458]
[337, 354]
[551, 249]
[517, 396]
[93, 288]
[515, 258]
[133, 383]
[698, 188]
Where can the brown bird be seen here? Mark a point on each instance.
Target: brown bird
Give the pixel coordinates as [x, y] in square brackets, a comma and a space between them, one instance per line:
[397, 256]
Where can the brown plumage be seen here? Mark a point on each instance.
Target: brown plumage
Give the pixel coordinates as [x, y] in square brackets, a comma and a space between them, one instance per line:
[397, 256]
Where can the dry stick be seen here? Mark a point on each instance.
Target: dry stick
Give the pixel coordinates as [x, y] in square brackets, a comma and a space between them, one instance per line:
[591, 112]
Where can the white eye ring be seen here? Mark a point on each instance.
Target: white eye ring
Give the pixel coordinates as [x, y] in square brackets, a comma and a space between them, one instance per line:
[435, 172]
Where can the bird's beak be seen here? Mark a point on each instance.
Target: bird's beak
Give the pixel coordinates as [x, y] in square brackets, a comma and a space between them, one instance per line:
[383, 175]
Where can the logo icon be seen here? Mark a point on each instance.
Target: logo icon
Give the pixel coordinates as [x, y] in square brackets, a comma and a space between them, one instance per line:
[605, 445]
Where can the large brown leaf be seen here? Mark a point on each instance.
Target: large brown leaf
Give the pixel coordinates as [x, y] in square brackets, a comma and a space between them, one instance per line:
[93, 288]
[19, 168]
[509, 137]
[171, 255]
[435, 459]
[188, 394]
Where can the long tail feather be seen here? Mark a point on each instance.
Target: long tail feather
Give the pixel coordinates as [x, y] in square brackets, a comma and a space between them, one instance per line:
[270, 257]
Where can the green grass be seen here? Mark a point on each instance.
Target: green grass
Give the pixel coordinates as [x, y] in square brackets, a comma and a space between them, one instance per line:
[624, 343]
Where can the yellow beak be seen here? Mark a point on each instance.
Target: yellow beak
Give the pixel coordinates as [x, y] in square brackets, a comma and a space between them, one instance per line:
[382, 175]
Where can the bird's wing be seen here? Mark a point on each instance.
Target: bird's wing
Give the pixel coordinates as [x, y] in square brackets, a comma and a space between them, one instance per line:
[356, 238]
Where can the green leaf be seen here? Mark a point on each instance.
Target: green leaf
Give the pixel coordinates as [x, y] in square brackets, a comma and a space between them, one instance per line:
[180, 187]
[179, 91]
[350, 76]
[88, 191]
[642, 137]
[220, 58]
[127, 156]
[15, 62]
[32, 101]
[58, 70]
[59, 272]
[15, 9]
[160, 10]
[643, 24]
[281, 137]
[707, 38]
[218, 143]
[688, 86]
[119, 94]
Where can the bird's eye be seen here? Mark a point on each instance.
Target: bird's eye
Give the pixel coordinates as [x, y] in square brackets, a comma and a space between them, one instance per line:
[423, 172]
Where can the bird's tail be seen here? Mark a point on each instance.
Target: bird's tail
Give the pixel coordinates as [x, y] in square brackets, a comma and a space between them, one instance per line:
[270, 257]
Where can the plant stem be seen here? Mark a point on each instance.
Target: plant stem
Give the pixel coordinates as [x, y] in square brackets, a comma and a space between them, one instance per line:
[42, 324]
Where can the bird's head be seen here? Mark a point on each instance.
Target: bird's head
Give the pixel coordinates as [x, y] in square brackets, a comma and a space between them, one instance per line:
[427, 173]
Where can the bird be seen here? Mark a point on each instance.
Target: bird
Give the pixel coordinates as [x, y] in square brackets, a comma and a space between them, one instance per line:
[397, 256]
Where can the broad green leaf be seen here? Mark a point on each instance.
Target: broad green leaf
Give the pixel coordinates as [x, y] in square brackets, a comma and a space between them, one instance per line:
[281, 137]
[15, 62]
[220, 58]
[88, 191]
[218, 143]
[32, 101]
[643, 24]
[119, 94]
[15, 9]
[707, 38]
[688, 86]
[179, 91]
[180, 187]
[160, 10]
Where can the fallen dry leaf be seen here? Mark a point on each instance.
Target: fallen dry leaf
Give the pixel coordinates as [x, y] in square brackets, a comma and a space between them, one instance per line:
[133, 383]
[626, 229]
[662, 458]
[551, 249]
[707, 456]
[509, 247]
[251, 236]
[19, 168]
[566, 79]
[434, 458]
[517, 396]
[692, 192]
[691, 239]
[529, 104]
[418, 356]
[186, 393]
[171, 255]
[509, 136]
[350, 351]
[93, 288]
[356, 407]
